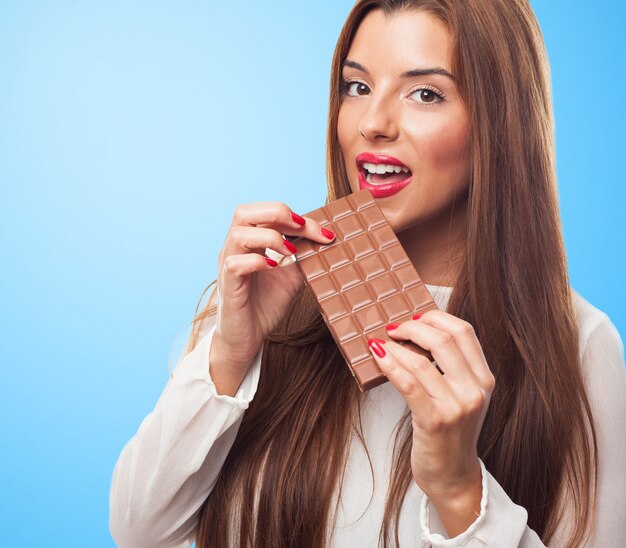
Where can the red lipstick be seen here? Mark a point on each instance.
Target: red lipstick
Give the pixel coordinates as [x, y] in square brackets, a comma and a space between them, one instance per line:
[381, 189]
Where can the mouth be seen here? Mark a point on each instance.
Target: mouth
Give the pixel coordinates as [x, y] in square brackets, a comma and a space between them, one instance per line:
[383, 175]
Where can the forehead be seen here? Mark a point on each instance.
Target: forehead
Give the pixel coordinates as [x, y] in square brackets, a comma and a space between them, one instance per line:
[401, 41]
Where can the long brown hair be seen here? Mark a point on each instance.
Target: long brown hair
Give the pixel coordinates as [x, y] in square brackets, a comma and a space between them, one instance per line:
[538, 440]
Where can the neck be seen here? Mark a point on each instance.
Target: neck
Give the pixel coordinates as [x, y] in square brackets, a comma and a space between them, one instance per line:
[435, 247]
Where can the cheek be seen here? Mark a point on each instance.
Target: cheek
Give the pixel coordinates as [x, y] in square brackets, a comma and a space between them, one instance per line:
[445, 149]
[343, 131]
[346, 136]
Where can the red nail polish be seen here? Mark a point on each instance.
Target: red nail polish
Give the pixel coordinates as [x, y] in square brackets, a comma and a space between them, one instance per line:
[270, 262]
[327, 233]
[392, 326]
[377, 346]
[418, 316]
[298, 219]
[290, 246]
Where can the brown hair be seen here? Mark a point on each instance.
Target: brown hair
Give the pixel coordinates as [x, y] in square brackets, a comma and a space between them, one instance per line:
[538, 440]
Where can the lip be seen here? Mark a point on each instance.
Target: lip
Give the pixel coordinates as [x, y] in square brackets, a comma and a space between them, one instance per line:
[380, 190]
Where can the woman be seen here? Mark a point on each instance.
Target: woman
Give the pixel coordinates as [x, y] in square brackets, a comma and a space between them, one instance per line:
[261, 437]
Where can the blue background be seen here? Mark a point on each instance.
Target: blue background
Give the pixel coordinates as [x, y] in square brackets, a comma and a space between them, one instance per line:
[129, 131]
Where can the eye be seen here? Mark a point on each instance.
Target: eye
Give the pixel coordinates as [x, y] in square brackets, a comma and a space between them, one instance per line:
[428, 96]
[354, 88]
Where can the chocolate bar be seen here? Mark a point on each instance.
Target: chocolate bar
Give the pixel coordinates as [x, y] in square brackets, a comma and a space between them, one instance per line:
[362, 281]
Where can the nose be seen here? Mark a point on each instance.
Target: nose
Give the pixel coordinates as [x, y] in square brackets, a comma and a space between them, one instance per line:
[379, 122]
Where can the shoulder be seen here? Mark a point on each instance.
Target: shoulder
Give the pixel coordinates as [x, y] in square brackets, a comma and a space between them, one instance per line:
[601, 358]
[593, 324]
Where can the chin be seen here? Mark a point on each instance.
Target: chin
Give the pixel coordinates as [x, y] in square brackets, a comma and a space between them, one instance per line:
[397, 223]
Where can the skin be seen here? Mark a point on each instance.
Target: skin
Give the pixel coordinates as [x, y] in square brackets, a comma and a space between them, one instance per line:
[391, 115]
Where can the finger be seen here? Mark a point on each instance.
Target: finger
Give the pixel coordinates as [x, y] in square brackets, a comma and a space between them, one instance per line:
[404, 380]
[242, 239]
[279, 215]
[431, 380]
[441, 345]
[466, 340]
[419, 368]
[235, 268]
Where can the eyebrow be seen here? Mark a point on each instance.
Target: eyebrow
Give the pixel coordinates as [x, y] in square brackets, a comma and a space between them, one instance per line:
[407, 74]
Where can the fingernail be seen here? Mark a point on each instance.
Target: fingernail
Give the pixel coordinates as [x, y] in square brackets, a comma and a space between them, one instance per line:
[392, 326]
[327, 233]
[290, 246]
[418, 316]
[270, 262]
[298, 219]
[377, 346]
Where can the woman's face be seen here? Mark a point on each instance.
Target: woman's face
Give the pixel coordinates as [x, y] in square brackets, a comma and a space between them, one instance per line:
[417, 120]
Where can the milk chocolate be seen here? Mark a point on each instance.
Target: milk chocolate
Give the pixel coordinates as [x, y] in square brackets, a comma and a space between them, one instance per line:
[362, 281]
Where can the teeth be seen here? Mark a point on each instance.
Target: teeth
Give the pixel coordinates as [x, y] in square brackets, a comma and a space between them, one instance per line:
[384, 168]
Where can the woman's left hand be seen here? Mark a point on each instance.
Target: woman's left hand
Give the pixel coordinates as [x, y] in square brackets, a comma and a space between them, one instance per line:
[447, 410]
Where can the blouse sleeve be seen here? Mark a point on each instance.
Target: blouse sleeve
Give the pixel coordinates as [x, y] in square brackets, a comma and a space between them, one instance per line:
[501, 522]
[166, 471]
[504, 523]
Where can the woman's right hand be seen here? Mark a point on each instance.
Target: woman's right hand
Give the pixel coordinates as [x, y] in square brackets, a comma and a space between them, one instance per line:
[254, 292]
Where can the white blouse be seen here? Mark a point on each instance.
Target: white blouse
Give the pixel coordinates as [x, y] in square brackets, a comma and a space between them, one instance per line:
[169, 467]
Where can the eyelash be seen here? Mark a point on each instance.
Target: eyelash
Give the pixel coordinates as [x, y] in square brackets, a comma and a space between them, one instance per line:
[345, 85]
